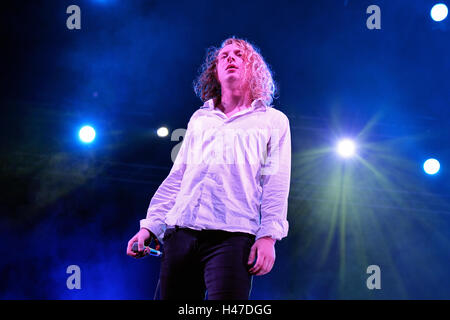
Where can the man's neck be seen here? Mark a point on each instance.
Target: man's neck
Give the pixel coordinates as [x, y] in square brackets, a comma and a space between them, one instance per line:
[234, 100]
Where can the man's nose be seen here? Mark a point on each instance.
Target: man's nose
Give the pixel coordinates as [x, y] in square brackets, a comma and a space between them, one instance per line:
[229, 58]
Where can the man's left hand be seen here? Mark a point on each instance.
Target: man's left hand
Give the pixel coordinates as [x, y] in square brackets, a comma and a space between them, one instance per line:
[264, 249]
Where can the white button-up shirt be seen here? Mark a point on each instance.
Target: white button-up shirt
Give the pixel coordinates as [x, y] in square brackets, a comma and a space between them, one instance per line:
[231, 173]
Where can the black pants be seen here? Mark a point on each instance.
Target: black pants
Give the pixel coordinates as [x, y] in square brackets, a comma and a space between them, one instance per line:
[212, 261]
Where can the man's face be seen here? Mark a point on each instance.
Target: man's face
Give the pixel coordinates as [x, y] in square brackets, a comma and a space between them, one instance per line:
[230, 64]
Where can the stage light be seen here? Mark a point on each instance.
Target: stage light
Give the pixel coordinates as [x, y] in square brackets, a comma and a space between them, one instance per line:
[346, 148]
[162, 132]
[87, 134]
[439, 12]
[431, 166]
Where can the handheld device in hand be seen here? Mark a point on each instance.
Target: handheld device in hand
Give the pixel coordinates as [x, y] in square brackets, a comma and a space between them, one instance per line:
[147, 250]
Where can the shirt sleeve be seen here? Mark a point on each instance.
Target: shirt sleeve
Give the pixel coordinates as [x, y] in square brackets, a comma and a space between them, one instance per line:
[275, 182]
[164, 198]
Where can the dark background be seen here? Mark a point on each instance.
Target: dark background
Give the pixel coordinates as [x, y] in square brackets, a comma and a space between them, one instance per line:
[129, 70]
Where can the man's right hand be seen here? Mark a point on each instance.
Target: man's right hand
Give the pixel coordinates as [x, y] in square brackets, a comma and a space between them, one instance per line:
[141, 238]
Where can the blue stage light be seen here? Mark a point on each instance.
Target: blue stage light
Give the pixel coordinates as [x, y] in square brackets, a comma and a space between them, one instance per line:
[431, 166]
[87, 134]
[346, 148]
[439, 12]
[162, 132]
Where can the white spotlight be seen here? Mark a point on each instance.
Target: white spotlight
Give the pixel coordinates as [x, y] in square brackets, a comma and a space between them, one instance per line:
[431, 166]
[162, 132]
[439, 12]
[87, 134]
[346, 148]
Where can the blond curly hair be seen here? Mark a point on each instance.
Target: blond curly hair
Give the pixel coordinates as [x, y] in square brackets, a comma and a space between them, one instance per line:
[261, 83]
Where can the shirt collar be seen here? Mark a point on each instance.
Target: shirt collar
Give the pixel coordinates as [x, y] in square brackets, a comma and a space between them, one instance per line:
[256, 104]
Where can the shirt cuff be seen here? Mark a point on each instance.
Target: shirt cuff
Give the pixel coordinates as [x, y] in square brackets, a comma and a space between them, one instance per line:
[276, 231]
[264, 236]
[157, 229]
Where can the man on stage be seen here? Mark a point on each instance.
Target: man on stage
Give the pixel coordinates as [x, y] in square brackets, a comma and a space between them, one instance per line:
[224, 203]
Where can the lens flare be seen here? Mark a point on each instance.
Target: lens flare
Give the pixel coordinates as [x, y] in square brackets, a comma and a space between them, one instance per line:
[162, 132]
[439, 12]
[431, 166]
[87, 134]
[346, 148]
